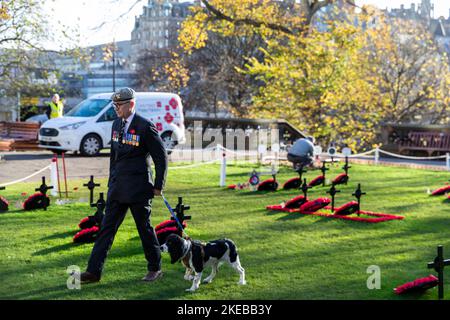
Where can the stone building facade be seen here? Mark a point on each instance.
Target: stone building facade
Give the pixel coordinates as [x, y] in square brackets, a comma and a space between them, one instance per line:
[424, 12]
[157, 26]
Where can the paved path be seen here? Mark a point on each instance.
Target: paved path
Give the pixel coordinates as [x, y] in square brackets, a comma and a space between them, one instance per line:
[17, 165]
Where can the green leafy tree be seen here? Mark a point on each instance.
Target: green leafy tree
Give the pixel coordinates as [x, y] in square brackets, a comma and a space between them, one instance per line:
[324, 72]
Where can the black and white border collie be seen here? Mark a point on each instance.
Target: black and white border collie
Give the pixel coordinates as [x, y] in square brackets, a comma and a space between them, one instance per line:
[196, 256]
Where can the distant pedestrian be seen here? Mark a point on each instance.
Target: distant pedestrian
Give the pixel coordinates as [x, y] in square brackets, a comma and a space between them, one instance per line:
[55, 107]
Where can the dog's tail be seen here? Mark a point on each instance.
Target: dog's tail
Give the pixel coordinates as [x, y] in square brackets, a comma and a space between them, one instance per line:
[233, 250]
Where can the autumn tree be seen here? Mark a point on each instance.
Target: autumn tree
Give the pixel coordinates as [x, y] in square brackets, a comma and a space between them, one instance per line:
[304, 71]
[24, 58]
[409, 71]
[319, 71]
[315, 82]
[214, 69]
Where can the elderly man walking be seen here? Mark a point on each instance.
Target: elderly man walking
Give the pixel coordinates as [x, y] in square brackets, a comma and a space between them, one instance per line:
[130, 187]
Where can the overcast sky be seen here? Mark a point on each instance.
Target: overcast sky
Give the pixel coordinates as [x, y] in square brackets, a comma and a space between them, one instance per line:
[87, 15]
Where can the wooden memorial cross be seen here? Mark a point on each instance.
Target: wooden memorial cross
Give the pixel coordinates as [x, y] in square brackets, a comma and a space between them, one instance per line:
[358, 194]
[438, 265]
[43, 189]
[179, 209]
[333, 192]
[91, 186]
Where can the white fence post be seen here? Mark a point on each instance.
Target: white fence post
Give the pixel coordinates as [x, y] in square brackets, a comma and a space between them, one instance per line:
[223, 167]
[447, 158]
[54, 177]
[377, 155]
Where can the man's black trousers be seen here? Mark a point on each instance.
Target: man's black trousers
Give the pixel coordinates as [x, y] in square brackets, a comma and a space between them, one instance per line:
[114, 215]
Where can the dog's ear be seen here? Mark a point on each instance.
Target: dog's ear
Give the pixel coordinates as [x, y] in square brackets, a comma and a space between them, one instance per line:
[174, 258]
[174, 252]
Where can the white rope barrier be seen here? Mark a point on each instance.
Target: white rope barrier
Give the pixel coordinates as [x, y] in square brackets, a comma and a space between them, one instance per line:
[193, 165]
[377, 151]
[412, 158]
[189, 149]
[26, 178]
[269, 158]
[247, 153]
[340, 155]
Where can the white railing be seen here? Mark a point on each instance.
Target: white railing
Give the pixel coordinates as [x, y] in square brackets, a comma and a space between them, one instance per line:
[377, 151]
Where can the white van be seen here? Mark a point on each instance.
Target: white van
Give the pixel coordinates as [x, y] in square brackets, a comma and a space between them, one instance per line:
[87, 127]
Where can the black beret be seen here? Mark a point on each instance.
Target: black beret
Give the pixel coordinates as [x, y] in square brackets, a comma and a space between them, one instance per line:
[123, 94]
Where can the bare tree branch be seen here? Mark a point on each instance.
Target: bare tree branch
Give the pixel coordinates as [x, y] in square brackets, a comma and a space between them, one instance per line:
[309, 8]
[118, 18]
[221, 16]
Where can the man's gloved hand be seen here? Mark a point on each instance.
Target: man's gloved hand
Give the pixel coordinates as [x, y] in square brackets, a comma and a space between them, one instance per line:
[157, 192]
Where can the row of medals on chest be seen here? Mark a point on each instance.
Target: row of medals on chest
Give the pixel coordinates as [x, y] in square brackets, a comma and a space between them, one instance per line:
[128, 138]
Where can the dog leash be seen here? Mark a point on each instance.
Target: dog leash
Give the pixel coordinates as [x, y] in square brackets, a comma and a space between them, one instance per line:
[173, 214]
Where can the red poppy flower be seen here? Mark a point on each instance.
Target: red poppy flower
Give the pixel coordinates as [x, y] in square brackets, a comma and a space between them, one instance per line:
[132, 131]
[173, 103]
[168, 118]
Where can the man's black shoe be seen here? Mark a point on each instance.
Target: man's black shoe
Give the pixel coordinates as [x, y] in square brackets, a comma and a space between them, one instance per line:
[87, 277]
[152, 276]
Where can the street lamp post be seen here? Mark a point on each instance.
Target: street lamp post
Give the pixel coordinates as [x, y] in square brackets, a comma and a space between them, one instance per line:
[114, 64]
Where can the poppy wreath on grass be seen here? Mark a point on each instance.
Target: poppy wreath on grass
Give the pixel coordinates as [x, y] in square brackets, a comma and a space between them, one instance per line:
[341, 179]
[293, 183]
[314, 205]
[87, 235]
[87, 222]
[3, 204]
[378, 217]
[316, 181]
[36, 201]
[421, 284]
[166, 228]
[296, 202]
[441, 191]
[346, 209]
[268, 185]
[291, 204]
[90, 221]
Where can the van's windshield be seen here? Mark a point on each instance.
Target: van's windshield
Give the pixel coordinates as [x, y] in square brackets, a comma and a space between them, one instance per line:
[88, 108]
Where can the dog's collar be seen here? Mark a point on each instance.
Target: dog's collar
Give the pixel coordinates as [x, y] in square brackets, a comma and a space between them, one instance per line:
[186, 248]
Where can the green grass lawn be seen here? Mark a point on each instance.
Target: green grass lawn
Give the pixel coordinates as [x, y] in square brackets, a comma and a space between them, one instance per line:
[286, 256]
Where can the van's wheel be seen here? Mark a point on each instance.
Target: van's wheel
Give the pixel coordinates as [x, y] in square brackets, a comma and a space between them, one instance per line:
[91, 145]
[168, 141]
